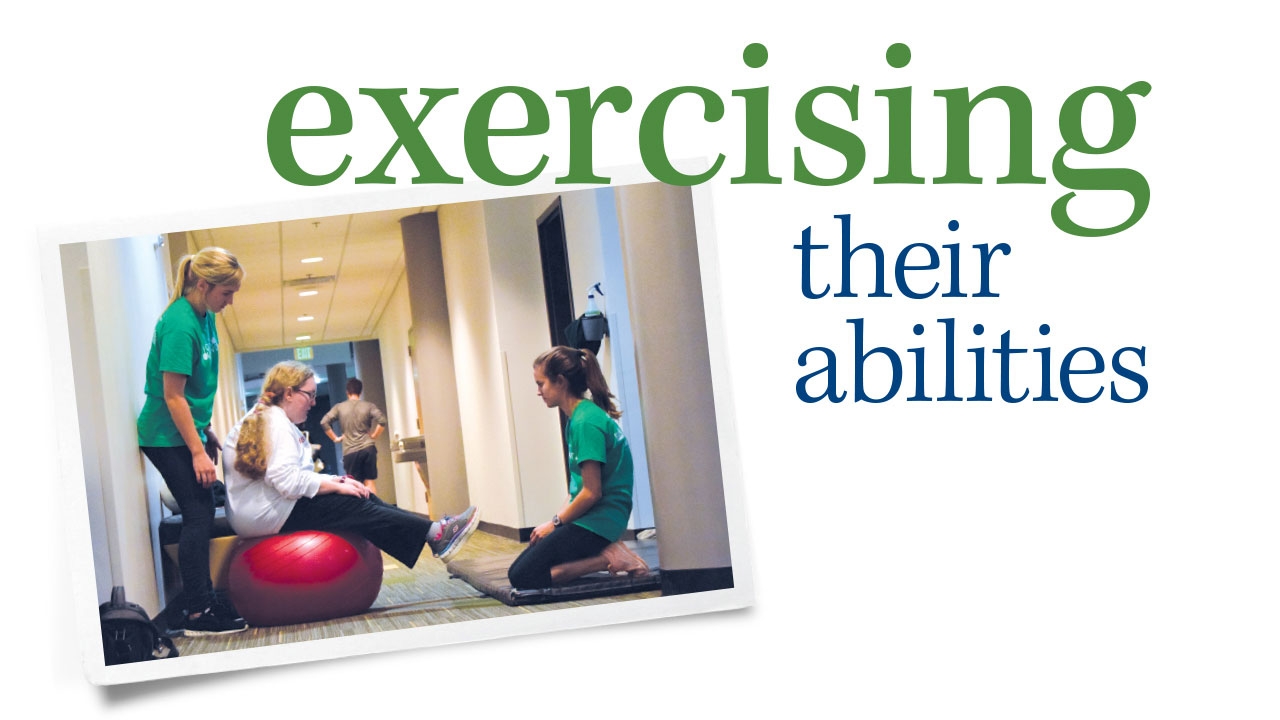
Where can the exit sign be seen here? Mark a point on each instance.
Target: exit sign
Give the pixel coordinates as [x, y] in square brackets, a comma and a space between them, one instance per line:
[303, 353]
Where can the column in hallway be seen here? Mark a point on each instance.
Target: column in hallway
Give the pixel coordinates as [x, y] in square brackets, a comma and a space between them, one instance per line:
[436, 382]
[660, 253]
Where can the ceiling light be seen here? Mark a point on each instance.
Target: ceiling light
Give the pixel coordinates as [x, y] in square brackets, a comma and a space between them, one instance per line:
[312, 259]
[308, 293]
[305, 318]
[303, 337]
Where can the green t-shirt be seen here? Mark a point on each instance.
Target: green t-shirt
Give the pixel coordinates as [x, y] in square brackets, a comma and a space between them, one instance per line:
[186, 344]
[593, 435]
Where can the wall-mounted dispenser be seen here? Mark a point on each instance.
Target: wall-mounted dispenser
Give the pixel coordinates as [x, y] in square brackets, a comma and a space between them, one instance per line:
[594, 326]
[591, 327]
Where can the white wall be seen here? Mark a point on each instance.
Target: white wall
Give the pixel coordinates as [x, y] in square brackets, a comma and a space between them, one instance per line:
[89, 411]
[619, 351]
[521, 319]
[492, 475]
[402, 408]
[126, 295]
[497, 311]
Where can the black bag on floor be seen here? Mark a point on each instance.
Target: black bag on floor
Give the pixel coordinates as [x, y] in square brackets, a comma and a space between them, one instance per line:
[128, 635]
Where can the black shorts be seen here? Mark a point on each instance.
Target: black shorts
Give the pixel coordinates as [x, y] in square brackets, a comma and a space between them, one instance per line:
[362, 464]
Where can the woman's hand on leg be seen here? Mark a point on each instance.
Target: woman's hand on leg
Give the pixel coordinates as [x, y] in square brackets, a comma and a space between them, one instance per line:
[541, 531]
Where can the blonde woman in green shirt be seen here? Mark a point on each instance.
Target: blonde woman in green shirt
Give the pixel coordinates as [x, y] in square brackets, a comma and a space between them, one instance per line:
[584, 536]
[173, 427]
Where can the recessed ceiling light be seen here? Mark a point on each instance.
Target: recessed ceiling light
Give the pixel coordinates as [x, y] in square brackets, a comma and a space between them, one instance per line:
[303, 337]
[312, 259]
[305, 318]
[308, 293]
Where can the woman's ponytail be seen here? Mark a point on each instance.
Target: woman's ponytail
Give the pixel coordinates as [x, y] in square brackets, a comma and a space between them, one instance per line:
[582, 371]
[598, 386]
[180, 278]
[252, 447]
[212, 264]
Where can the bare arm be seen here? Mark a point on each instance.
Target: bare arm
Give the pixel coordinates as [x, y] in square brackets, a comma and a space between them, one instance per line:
[588, 496]
[175, 398]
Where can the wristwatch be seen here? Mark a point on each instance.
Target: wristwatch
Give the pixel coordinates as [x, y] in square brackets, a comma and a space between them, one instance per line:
[555, 520]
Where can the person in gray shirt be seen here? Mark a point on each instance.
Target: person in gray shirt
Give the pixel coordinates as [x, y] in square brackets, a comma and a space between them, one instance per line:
[361, 423]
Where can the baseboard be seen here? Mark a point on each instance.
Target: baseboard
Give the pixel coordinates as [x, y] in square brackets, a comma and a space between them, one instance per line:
[680, 582]
[517, 534]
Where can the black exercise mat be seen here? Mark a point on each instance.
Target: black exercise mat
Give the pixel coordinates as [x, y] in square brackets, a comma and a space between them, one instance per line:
[489, 576]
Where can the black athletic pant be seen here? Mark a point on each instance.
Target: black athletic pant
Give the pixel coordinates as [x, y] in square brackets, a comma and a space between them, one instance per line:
[567, 543]
[196, 504]
[399, 533]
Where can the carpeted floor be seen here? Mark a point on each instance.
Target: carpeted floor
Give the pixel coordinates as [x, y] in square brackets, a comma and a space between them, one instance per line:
[425, 595]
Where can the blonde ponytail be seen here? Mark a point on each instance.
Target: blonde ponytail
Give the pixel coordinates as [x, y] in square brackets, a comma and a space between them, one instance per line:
[253, 446]
[212, 264]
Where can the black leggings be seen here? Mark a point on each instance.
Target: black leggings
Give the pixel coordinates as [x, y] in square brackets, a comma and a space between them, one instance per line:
[196, 505]
[565, 544]
[397, 532]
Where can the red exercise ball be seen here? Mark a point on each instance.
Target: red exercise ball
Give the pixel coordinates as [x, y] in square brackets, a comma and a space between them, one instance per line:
[305, 576]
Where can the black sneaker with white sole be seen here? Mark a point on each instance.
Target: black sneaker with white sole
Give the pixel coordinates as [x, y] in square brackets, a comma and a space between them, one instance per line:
[210, 622]
[221, 604]
[454, 531]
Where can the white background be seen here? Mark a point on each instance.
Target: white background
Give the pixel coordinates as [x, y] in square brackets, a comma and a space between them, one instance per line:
[910, 559]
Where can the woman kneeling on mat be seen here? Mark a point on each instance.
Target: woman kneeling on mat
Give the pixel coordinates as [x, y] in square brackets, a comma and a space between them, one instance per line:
[271, 487]
[583, 537]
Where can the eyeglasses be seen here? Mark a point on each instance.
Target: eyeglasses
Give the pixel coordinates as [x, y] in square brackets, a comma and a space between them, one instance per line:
[311, 394]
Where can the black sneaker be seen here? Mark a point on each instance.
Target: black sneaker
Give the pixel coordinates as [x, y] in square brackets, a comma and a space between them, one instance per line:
[221, 604]
[211, 623]
[454, 531]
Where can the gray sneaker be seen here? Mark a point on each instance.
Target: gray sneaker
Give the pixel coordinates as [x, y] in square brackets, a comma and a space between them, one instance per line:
[454, 531]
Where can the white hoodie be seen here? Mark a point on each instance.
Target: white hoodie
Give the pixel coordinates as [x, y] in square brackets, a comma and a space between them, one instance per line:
[261, 507]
